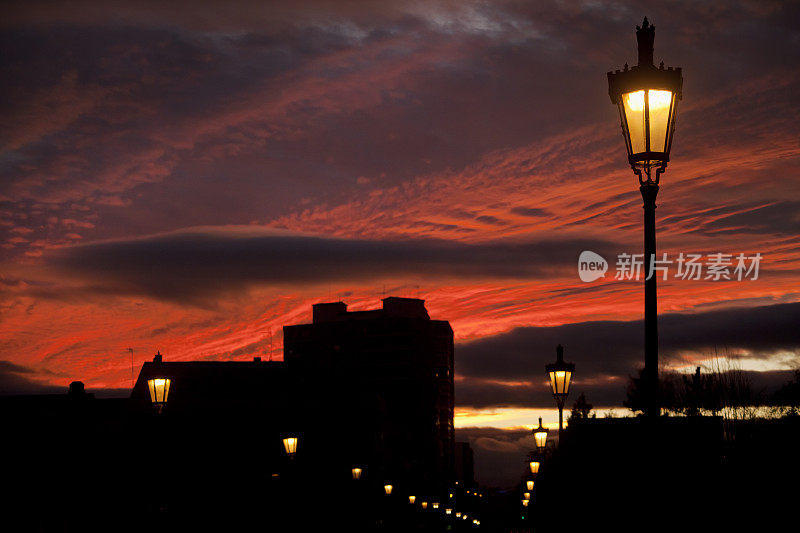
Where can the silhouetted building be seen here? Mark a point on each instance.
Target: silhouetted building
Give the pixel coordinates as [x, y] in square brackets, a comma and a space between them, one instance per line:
[465, 464]
[377, 392]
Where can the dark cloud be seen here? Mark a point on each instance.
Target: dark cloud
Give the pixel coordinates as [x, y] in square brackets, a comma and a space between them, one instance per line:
[531, 212]
[499, 454]
[606, 353]
[17, 379]
[192, 266]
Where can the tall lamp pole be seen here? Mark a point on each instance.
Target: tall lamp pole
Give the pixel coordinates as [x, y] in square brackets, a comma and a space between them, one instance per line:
[647, 97]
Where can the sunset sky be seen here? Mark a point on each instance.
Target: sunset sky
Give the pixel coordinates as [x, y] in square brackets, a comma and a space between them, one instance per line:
[190, 177]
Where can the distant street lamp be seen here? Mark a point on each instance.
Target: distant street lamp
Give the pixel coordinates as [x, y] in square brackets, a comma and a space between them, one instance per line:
[647, 97]
[388, 489]
[159, 392]
[356, 472]
[534, 466]
[529, 484]
[290, 445]
[540, 436]
[412, 499]
[560, 378]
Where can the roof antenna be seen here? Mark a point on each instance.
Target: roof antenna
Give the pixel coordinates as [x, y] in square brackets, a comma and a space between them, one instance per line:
[270, 344]
[131, 350]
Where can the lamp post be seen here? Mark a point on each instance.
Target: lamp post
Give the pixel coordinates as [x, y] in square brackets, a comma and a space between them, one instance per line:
[540, 436]
[560, 378]
[647, 97]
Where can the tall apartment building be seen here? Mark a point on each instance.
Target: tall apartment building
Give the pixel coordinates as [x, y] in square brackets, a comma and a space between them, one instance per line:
[377, 392]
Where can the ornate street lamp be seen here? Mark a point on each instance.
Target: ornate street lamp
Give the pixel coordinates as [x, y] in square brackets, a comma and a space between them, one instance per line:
[159, 392]
[356, 471]
[560, 374]
[540, 436]
[290, 445]
[647, 97]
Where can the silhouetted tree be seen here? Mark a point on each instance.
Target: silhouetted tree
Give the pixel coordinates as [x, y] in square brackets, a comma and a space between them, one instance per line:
[787, 398]
[635, 399]
[581, 408]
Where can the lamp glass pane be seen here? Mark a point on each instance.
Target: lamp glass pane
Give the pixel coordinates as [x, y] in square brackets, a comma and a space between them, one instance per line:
[159, 389]
[559, 381]
[534, 467]
[633, 104]
[290, 444]
[660, 104]
[412, 499]
[541, 439]
[388, 489]
[356, 473]
[529, 484]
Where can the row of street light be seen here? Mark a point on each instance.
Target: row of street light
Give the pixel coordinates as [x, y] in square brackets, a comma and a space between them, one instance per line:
[159, 395]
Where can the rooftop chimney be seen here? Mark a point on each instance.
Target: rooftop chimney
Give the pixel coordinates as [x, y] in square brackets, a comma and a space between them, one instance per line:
[329, 312]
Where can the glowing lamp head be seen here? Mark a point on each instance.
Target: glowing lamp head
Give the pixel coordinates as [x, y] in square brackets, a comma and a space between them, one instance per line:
[356, 472]
[159, 392]
[388, 489]
[647, 98]
[540, 436]
[290, 445]
[424, 505]
[534, 467]
[525, 503]
[529, 484]
[560, 374]
[412, 499]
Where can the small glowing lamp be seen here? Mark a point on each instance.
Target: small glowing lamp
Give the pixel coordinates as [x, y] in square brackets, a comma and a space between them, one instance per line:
[387, 489]
[159, 392]
[356, 471]
[540, 435]
[290, 445]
